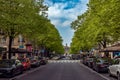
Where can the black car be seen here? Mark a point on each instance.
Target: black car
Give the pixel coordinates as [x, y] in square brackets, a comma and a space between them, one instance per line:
[85, 60]
[43, 60]
[10, 68]
[90, 61]
[35, 61]
[101, 65]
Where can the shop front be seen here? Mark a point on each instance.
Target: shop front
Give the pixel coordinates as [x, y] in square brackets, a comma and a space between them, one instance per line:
[2, 54]
[114, 51]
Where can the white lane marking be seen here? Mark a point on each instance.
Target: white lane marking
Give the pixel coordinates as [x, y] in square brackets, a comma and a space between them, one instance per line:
[64, 61]
[94, 71]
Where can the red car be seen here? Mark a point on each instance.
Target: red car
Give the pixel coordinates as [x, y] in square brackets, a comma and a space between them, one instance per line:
[26, 63]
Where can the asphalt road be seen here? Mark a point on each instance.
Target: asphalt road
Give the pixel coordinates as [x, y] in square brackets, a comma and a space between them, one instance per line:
[62, 71]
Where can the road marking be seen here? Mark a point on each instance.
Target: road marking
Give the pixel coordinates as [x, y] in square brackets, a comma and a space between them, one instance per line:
[63, 61]
[94, 71]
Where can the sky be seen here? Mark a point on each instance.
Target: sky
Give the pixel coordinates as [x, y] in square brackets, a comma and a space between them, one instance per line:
[62, 13]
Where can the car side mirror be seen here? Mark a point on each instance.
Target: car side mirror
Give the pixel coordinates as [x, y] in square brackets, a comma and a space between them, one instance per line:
[13, 66]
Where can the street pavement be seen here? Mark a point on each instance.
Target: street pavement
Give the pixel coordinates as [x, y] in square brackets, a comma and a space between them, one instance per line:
[62, 70]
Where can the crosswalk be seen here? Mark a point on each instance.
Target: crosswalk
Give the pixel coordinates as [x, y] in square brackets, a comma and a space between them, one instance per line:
[63, 61]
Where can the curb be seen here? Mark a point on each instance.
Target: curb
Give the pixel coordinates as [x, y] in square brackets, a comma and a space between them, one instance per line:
[94, 71]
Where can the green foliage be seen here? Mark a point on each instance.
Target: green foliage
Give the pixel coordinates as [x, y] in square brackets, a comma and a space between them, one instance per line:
[98, 25]
[29, 18]
[16, 16]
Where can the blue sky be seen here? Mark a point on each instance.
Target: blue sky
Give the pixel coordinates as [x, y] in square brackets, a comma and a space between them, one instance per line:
[62, 13]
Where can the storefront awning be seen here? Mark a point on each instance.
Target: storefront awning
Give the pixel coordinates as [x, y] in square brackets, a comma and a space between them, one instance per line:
[19, 51]
[115, 48]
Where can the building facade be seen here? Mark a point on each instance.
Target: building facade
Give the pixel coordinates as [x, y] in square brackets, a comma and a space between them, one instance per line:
[66, 49]
[17, 43]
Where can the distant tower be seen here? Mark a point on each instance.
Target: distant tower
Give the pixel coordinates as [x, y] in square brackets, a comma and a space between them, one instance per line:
[66, 49]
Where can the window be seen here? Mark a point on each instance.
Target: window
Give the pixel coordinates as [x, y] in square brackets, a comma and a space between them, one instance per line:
[3, 40]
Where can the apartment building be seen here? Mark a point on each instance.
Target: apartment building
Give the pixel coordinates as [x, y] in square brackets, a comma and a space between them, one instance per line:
[19, 46]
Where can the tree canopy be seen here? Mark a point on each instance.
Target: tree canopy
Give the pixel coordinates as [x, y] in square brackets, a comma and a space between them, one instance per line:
[98, 26]
[29, 18]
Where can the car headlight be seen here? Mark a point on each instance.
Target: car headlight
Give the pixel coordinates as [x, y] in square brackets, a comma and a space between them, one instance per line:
[9, 71]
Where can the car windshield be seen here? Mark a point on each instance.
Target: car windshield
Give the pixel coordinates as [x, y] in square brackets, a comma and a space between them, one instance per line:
[6, 63]
[40, 58]
[103, 61]
[22, 60]
[34, 58]
[90, 59]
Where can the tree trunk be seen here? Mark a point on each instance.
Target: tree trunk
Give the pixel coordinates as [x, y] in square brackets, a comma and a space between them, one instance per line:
[10, 46]
[104, 44]
[104, 40]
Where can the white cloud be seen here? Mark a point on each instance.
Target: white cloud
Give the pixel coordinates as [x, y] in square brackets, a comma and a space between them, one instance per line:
[62, 17]
[72, 30]
[55, 22]
[66, 23]
[57, 11]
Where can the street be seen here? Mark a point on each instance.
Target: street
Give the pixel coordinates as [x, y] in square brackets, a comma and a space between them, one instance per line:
[59, 40]
[62, 71]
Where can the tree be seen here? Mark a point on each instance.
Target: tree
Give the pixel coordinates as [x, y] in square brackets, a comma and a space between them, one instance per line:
[99, 25]
[17, 16]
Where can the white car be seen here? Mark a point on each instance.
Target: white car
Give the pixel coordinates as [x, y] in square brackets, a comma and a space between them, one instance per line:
[114, 69]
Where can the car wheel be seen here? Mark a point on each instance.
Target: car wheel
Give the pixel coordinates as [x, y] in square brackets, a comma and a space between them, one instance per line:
[29, 68]
[109, 73]
[21, 71]
[12, 74]
[97, 70]
[93, 68]
[38, 64]
[118, 76]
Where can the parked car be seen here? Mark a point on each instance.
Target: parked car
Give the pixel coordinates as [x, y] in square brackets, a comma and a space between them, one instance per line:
[55, 58]
[100, 65]
[10, 68]
[90, 61]
[114, 69]
[61, 57]
[34, 61]
[86, 60]
[26, 63]
[43, 60]
[75, 57]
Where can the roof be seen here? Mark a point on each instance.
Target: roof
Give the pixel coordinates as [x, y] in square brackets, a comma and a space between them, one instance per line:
[114, 48]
